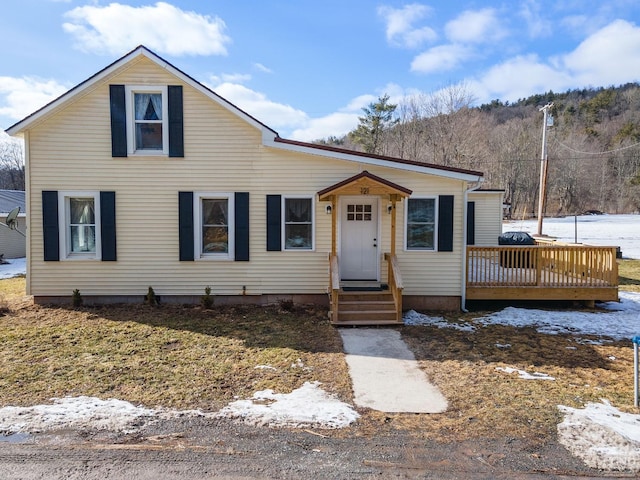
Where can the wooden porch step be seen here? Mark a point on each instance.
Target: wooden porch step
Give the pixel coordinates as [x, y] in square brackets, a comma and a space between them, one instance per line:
[366, 308]
[364, 323]
[376, 305]
[364, 315]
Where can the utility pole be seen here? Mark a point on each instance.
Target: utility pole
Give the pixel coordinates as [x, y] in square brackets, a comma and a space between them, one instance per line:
[543, 165]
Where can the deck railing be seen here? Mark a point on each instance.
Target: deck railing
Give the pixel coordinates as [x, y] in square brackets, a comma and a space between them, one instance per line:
[542, 265]
[394, 277]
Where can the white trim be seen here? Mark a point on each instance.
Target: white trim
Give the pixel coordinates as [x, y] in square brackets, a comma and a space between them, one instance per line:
[63, 225]
[343, 200]
[130, 91]
[371, 161]
[435, 224]
[197, 225]
[284, 198]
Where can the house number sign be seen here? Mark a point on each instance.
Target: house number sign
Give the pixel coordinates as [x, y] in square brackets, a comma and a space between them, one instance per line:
[364, 190]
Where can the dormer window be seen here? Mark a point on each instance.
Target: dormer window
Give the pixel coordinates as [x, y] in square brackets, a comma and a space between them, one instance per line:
[147, 120]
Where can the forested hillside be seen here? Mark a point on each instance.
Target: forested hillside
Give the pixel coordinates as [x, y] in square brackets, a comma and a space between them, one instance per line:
[593, 146]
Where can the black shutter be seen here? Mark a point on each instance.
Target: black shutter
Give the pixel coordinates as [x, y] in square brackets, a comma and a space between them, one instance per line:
[445, 223]
[118, 121]
[176, 128]
[471, 223]
[185, 221]
[274, 229]
[50, 227]
[241, 226]
[108, 226]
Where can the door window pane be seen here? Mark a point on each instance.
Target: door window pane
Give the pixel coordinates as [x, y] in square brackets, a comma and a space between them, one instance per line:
[359, 213]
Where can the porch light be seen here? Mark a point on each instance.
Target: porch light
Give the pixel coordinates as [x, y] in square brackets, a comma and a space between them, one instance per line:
[389, 208]
[328, 209]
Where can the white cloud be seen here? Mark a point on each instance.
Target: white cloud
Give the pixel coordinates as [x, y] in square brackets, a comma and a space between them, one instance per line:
[400, 25]
[20, 97]
[518, 78]
[256, 104]
[260, 67]
[117, 28]
[609, 56]
[537, 25]
[475, 26]
[335, 124]
[440, 58]
[230, 78]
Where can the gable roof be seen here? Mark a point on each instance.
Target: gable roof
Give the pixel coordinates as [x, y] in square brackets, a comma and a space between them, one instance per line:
[10, 199]
[270, 137]
[139, 51]
[368, 179]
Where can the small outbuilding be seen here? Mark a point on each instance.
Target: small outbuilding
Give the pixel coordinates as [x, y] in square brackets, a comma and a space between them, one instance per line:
[12, 243]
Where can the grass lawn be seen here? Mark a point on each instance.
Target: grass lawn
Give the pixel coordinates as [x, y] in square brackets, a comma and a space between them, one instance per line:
[189, 357]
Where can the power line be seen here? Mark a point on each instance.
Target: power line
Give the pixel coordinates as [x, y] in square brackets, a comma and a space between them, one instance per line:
[595, 153]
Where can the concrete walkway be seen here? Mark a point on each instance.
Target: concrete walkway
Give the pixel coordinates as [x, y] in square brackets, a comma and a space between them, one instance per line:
[386, 375]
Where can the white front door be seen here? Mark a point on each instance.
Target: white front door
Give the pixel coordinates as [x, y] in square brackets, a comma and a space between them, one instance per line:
[359, 238]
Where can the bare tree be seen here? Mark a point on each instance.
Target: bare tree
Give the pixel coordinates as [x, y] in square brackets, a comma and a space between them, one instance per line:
[11, 164]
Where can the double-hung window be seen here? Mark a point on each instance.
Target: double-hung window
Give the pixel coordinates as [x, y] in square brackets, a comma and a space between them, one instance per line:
[80, 225]
[147, 120]
[298, 223]
[214, 217]
[421, 224]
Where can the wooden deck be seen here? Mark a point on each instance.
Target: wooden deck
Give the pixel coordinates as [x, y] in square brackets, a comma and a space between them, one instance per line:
[542, 272]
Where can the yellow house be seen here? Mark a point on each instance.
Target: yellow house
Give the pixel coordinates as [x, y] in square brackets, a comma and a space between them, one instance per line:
[141, 176]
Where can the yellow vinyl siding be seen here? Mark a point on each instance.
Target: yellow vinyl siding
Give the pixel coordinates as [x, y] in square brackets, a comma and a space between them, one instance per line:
[72, 151]
[488, 217]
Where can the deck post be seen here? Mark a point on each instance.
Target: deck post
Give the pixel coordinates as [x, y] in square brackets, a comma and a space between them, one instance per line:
[334, 224]
[393, 199]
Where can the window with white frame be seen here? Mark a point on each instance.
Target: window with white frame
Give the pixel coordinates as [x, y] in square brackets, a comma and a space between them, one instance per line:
[420, 224]
[214, 219]
[298, 216]
[79, 225]
[147, 120]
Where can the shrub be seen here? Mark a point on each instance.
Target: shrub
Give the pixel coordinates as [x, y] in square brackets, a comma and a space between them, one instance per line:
[76, 298]
[151, 298]
[207, 299]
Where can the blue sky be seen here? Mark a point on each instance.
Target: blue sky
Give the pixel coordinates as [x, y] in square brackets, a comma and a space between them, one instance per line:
[306, 68]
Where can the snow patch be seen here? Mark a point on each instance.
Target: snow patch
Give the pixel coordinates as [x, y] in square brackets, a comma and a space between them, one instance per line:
[619, 320]
[602, 436]
[13, 268]
[414, 318]
[526, 375]
[83, 413]
[307, 406]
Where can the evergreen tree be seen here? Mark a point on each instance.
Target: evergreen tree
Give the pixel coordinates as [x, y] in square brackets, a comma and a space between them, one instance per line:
[377, 119]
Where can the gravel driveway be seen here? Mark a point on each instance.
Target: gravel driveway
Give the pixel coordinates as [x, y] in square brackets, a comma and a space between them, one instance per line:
[196, 448]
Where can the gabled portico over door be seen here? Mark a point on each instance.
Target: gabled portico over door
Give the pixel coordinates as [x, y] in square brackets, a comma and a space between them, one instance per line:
[359, 207]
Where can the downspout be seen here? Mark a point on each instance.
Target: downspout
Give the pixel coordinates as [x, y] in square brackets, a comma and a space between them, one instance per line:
[463, 289]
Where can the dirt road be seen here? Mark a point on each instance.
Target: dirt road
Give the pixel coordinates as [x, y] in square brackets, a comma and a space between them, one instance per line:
[199, 449]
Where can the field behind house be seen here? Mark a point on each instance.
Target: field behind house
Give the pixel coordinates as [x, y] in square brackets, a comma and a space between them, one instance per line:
[188, 357]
